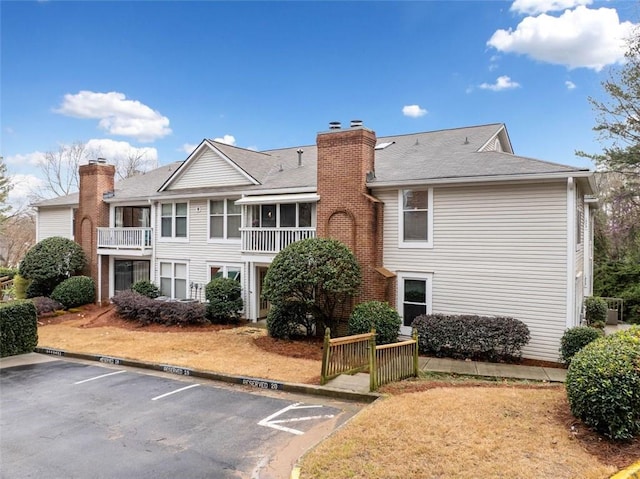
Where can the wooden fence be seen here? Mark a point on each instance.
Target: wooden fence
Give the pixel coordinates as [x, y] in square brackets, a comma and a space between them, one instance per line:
[385, 363]
[394, 362]
[347, 355]
[6, 283]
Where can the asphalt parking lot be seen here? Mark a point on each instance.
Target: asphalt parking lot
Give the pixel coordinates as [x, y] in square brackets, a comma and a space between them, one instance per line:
[75, 419]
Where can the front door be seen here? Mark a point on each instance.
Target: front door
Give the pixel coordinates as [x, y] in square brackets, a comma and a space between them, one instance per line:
[263, 308]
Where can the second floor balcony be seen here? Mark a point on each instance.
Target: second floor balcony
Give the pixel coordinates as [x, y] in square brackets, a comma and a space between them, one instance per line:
[272, 240]
[125, 241]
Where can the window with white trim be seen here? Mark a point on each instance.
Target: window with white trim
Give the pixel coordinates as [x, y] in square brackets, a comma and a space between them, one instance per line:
[173, 220]
[416, 218]
[173, 279]
[225, 271]
[224, 219]
[414, 297]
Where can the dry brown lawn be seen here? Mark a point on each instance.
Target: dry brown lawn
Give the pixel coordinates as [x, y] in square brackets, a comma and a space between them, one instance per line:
[422, 429]
[474, 432]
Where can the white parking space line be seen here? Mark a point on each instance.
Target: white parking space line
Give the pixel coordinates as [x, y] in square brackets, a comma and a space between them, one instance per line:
[269, 422]
[173, 392]
[99, 377]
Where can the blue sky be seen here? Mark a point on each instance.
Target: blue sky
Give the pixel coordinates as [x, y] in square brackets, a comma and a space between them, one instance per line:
[163, 75]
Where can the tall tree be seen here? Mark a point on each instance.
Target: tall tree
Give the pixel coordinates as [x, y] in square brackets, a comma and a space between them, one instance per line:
[618, 120]
[60, 169]
[5, 188]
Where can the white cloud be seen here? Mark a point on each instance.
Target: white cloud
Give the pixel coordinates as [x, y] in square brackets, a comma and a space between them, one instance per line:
[24, 187]
[117, 115]
[413, 111]
[228, 139]
[534, 7]
[570, 85]
[118, 152]
[502, 83]
[581, 37]
[35, 158]
[189, 147]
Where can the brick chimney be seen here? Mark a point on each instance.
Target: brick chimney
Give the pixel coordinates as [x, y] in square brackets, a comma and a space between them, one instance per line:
[346, 210]
[96, 178]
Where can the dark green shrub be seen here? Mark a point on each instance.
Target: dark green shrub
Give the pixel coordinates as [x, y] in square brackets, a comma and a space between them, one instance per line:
[146, 288]
[620, 279]
[224, 296]
[36, 288]
[289, 320]
[10, 272]
[321, 273]
[471, 336]
[20, 286]
[574, 339]
[18, 328]
[51, 261]
[378, 315]
[75, 291]
[136, 307]
[603, 385]
[595, 311]
[46, 305]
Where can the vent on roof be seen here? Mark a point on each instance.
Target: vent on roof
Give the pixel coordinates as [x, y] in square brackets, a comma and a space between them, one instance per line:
[382, 146]
[466, 140]
[93, 161]
[102, 160]
[300, 152]
[355, 123]
[335, 125]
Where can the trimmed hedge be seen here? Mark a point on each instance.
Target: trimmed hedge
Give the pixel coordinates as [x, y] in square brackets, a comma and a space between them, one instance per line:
[224, 296]
[288, 320]
[378, 315]
[75, 291]
[603, 385]
[18, 328]
[136, 307]
[146, 288]
[468, 336]
[574, 339]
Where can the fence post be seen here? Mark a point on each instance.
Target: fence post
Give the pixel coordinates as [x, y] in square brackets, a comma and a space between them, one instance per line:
[416, 364]
[325, 357]
[373, 370]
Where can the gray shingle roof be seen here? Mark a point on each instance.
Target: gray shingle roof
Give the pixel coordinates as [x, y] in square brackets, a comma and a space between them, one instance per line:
[436, 155]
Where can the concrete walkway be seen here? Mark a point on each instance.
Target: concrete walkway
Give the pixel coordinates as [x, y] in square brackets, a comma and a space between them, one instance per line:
[360, 382]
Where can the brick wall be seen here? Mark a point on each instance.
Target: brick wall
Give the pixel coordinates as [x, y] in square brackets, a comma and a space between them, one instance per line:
[93, 212]
[346, 210]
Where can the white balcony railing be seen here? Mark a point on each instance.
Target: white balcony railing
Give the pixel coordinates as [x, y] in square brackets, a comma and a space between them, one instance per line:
[272, 240]
[137, 239]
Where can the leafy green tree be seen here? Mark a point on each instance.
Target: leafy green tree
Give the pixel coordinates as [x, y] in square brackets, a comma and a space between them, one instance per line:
[51, 261]
[321, 274]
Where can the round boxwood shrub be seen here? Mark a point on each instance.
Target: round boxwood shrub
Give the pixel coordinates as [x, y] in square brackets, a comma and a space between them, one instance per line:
[36, 289]
[378, 315]
[574, 339]
[224, 296]
[284, 320]
[603, 385]
[75, 291]
[51, 261]
[146, 288]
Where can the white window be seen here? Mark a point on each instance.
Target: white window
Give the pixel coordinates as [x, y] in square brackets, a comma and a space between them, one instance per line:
[173, 279]
[224, 219]
[225, 271]
[415, 225]
[173, 220]
[414, 297]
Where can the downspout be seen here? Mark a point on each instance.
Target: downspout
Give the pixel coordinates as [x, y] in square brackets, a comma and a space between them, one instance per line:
[571, 252]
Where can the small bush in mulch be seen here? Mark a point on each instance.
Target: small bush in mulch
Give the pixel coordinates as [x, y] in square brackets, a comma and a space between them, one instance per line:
[75, 291]
[46, 305]
[574, 339]
[378, 315]
[471, 337]
[136, 307]
[146, 288]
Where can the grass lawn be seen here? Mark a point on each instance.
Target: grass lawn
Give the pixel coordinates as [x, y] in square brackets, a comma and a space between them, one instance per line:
[436, 427]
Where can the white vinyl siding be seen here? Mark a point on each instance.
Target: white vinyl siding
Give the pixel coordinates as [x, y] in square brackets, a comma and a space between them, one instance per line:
[497, 250]
[55, 222]
[200, 252]
[209, 169]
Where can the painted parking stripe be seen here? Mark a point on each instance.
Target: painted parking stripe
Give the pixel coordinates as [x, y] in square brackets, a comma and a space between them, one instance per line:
[269, 421]
[99, 377]
[173, 392]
